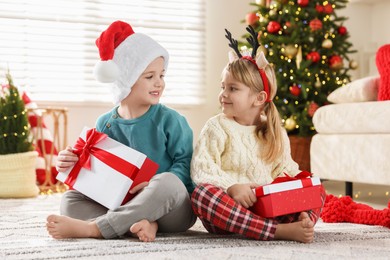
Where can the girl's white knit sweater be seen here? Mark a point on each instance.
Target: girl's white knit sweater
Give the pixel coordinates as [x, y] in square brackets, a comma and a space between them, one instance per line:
[227, 153]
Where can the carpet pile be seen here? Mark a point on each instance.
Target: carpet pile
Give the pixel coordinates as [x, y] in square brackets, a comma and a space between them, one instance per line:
[23, 236]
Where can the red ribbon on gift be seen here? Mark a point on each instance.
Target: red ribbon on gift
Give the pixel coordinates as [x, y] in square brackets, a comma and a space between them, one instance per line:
[303, 176]
[286, 177]
[84, 150]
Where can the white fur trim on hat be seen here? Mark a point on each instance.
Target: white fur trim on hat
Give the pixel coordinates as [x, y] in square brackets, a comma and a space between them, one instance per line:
[132, 57]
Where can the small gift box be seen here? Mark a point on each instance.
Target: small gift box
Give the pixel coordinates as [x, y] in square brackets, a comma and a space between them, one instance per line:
[106, 169]
[288, 195]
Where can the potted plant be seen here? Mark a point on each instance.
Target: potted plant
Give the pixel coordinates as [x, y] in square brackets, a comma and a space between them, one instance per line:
[17, 155]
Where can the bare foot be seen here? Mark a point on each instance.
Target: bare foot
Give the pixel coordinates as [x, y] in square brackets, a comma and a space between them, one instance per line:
[145, 230]
[65, 227]
[301, 231]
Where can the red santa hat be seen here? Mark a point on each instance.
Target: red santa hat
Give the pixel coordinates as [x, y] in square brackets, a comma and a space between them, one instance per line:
[124, 57]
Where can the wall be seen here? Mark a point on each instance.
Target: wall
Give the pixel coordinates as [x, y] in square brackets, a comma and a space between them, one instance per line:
[367, 31]
[367, 27]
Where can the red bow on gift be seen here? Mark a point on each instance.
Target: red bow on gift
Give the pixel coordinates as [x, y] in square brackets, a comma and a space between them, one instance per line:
[286, 177]
[84, 150]
[303, 176]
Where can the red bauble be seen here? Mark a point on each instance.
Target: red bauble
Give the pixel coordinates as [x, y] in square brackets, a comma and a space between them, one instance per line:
[315, 24]
[312, 108]
[342, 30]
[313, 56]
[335, 62]
[319, 8]
[251, 18]
[295, 90]
[328, 9]
[303, 3]
[273, 27]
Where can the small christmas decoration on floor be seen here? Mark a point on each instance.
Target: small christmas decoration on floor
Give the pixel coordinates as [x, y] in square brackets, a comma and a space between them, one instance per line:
[344, 209]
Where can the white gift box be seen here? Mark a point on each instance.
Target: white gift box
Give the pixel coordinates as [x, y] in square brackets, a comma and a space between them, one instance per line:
[107, 185]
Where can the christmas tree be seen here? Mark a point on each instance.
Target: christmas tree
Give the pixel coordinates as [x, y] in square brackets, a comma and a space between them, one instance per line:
[14, 126]
[308, 46]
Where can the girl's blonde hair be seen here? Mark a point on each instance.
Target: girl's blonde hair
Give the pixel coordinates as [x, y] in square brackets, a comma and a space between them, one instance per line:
[269, 130]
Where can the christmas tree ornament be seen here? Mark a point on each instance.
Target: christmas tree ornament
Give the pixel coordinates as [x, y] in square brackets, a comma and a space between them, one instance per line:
[295, 90]
[327, 44]
[313, 106]
[298, 58]
[273, 27]
[251, 18]
[317, 84]
[261, 2]
[319, 8]
[288, 27]
[353, 64]
[263, 19]
[313, 56]
[290, 51]
[335, 62]
[273, 12]
[290, 124]
[265, 3]
[342, 30]
[328, 9]
[303, 3]
[263, 49]
[315, 24]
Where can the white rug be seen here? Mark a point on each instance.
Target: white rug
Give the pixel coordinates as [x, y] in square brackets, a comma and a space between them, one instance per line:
[23, 236]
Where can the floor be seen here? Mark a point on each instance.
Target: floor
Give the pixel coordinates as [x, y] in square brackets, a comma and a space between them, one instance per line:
[376, 196]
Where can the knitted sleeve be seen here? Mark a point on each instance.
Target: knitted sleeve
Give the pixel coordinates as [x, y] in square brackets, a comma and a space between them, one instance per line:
[206, 160]
[285, 164]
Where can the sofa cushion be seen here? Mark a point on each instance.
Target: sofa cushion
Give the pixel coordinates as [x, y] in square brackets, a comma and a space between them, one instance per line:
[361, 90]
[353, 118]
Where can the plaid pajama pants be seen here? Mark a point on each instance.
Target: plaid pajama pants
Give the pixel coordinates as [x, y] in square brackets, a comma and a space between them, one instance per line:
[221, 214]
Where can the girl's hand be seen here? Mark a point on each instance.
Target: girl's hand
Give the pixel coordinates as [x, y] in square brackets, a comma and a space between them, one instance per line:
[243, 194]
[65, 159]
[139, 187]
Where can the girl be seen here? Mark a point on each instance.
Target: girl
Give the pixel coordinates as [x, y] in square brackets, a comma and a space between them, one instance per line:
[136, 65]
[243, 147]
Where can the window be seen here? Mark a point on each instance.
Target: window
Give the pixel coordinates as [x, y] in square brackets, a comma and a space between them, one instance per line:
[49, 46]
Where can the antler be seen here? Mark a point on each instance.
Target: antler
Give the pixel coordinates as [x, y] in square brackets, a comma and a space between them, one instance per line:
[252, 40]
[233, 43]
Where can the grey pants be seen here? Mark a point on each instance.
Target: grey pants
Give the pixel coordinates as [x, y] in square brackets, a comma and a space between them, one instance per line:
[165, 200]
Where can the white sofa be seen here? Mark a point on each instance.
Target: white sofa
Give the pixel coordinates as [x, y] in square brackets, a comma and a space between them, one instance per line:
[352, 143]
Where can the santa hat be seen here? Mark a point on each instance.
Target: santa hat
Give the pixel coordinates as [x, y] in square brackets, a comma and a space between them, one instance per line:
[124, 57]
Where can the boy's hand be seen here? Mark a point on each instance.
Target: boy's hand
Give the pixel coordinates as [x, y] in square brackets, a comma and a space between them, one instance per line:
[243, 194]
[65, 159]
[139, 187]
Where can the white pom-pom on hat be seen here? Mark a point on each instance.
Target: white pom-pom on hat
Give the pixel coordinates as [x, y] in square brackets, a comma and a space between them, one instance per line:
[124, 57]
[106, 71]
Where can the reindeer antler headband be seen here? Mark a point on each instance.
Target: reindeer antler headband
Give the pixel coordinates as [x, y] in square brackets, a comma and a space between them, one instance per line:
[252, 40]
